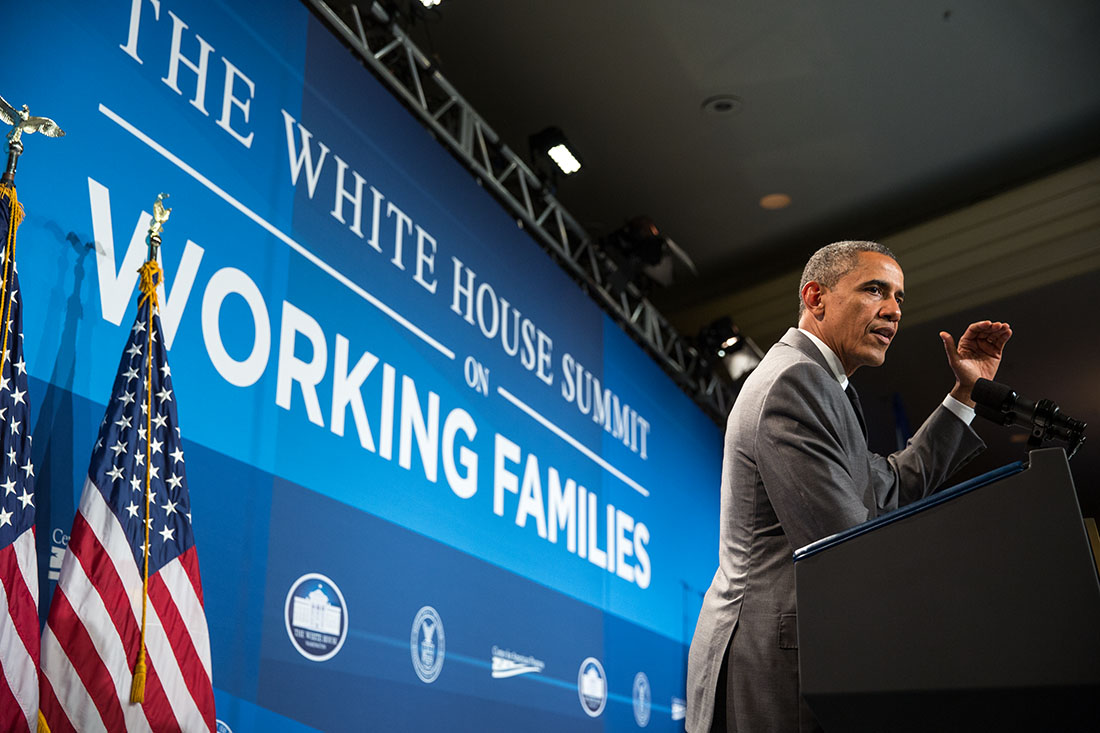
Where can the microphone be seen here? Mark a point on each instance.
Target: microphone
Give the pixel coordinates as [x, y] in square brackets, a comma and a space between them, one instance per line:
[1002, 405]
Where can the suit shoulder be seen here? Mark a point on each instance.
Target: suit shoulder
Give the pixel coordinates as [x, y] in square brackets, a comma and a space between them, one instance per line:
[788, 366]
[785, 379]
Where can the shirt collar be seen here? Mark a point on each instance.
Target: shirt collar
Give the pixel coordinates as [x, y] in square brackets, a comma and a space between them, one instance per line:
[833, 360]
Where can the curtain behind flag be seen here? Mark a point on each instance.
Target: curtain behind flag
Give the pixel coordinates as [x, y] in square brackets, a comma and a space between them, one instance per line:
[93, 634]
[18, 560]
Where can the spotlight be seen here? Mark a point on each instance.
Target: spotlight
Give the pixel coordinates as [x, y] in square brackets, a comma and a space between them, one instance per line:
[430, 3]
[643, 255]
[552, 143]
[739, 353]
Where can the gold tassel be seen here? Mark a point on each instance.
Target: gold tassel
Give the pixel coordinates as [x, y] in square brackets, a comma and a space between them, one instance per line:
[43, 726]
[150, 273]
[14, 220]
[137, 688]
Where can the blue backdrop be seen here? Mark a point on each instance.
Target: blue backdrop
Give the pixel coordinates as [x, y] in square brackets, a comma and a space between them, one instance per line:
[433, 485]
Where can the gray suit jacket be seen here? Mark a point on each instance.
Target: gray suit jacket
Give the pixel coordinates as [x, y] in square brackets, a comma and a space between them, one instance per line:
[796, 468]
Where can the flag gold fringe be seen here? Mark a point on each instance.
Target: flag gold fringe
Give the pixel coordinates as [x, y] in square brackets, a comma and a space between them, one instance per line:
[14, 219]
[150, 274]
[43, 726]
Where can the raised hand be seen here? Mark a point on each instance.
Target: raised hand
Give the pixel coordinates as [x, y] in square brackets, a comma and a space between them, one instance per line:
[977, 356]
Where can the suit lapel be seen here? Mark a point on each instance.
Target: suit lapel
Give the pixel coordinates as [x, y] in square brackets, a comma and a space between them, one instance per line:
[798, 340]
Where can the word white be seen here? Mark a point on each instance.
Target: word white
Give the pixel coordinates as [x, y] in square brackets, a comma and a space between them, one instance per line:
[302, 159]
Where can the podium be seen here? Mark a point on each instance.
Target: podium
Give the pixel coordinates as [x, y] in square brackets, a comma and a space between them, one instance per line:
[974, 609]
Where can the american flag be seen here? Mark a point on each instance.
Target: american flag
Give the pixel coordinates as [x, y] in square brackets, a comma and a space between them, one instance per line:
[18, 560]
[93, 632]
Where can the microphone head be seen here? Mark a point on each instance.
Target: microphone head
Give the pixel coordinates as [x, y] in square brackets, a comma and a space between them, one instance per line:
[994, 395]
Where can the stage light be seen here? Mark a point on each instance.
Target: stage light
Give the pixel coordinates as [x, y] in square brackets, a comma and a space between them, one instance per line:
[731, 341]
[565, 159]
[552, 143]
[643, 255]
[430, 3]
[739, 353]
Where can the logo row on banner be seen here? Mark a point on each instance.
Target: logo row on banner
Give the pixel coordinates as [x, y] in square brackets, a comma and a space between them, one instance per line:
[315, 614]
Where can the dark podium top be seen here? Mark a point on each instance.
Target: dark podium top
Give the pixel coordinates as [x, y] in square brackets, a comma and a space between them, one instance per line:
[975, 609]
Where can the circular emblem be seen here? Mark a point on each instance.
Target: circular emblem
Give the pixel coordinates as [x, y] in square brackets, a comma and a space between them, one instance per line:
[316, 617]
[428, 644]
[222, 727]
[592, 686]
[643, 698]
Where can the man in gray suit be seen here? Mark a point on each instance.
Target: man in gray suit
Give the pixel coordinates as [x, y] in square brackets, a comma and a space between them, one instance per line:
[796, 468]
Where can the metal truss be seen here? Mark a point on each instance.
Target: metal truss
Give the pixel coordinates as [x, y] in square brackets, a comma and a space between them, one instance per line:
[394, 58]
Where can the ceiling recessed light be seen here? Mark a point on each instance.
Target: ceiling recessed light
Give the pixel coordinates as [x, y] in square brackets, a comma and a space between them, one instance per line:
[723, 105]
[775, 201]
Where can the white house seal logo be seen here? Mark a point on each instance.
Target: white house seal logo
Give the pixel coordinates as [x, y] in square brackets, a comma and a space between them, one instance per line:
[643, 699]
[316, 617]
[592, 686]
[428, 644]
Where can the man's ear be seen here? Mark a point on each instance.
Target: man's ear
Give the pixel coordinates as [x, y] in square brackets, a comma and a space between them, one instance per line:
[812, 297]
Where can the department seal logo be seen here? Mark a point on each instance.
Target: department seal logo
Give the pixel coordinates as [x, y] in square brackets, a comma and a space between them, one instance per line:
[222, 727]
[592, 686]
[643, 699]
[316, 617]
[428, 644]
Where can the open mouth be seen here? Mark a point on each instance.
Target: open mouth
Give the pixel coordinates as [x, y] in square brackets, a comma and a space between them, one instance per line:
[884, 335]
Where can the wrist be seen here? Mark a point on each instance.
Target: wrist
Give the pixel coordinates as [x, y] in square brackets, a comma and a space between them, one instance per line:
[962, 393]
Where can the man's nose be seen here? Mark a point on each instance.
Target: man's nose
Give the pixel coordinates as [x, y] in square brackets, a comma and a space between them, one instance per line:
[890, 310]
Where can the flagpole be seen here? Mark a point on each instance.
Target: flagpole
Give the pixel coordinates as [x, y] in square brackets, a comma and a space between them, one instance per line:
[150, 274]
[15, 149]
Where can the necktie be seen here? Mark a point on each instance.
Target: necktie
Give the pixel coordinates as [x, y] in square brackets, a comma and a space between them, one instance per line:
[854, 399]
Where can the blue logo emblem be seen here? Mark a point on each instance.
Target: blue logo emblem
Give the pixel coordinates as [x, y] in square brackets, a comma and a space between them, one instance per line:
[592, 686]
[428, 644]
[222, 727]
[316, 617]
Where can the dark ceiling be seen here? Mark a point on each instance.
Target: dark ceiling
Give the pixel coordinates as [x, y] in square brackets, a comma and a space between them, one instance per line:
[872, 116]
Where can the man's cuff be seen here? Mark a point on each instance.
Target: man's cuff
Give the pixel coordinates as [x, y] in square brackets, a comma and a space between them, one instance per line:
[961, 411]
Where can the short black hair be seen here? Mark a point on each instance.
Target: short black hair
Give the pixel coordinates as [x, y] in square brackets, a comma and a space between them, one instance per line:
[834, 261]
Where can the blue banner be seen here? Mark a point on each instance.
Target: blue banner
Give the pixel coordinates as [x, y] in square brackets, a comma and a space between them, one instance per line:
[433, 484]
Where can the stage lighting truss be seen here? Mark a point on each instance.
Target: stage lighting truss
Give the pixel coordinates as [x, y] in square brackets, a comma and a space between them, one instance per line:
[396, 60]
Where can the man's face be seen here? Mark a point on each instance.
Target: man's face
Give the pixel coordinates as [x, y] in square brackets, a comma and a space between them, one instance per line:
[862, 311]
